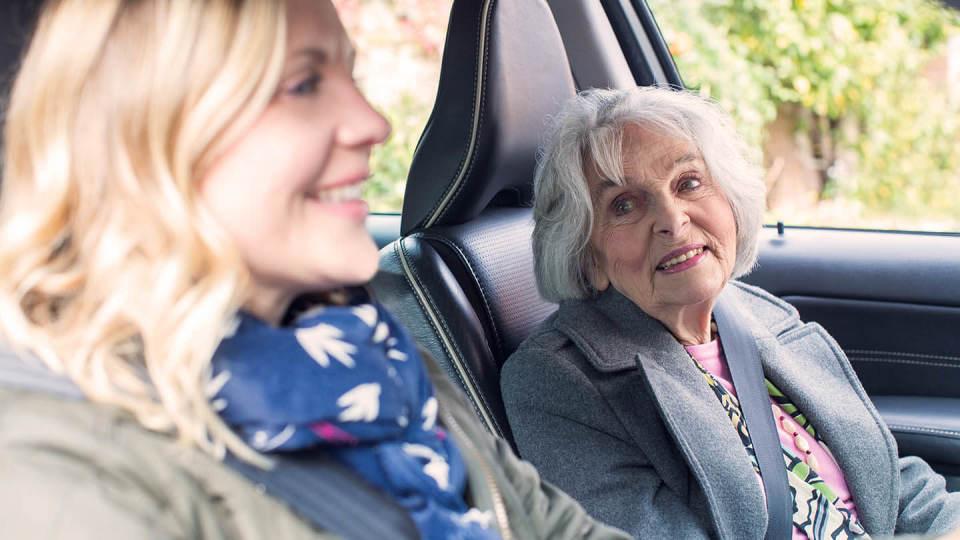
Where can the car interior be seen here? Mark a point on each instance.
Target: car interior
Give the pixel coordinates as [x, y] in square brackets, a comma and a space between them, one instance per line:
[458, 271]
[457, 266]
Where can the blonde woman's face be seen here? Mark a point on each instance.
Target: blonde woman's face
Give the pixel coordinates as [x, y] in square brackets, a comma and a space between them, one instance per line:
[289, 190]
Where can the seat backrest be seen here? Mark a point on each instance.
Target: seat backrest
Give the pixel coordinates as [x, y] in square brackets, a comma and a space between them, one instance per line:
[17, 19]
[461, 275]
[16, 25]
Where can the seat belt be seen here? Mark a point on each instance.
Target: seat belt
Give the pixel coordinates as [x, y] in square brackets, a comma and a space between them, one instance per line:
[330, 496]
[319, 489]
[743, 359]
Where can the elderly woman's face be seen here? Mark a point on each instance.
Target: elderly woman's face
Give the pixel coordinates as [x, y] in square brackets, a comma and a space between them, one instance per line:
[666, 238]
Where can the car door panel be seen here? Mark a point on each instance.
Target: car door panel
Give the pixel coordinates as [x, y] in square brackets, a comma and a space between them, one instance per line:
[926, 427]
[892, 302]
[896, 348]
[868, 265]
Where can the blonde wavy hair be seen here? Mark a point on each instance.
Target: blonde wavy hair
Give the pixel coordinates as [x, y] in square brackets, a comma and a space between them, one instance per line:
[111, 271]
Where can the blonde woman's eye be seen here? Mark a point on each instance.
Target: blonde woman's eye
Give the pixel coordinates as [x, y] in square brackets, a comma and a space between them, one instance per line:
[306, 87]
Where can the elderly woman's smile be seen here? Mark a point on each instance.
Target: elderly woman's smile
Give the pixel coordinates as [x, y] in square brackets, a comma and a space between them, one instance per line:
[663, 233]
[681, 259]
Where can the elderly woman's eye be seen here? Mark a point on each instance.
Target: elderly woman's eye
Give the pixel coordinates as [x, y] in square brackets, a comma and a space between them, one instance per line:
[690, 184]
[623, 205]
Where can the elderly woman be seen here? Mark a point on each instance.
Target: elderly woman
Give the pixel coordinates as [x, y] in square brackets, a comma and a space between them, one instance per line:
[647, 208]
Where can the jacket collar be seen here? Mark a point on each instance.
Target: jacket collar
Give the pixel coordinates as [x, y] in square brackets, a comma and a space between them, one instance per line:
[822, 384]
[612, 331]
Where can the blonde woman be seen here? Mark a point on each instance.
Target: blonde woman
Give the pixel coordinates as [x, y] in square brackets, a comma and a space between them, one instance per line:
[181, 241]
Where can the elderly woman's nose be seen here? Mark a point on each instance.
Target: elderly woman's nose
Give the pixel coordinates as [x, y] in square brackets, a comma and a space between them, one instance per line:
[670, 217]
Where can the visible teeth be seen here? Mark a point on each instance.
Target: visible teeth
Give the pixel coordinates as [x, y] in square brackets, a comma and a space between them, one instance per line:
[681, 258]
[338, 194]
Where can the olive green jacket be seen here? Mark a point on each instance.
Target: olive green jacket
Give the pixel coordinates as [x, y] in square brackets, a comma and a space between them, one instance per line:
[73, 469]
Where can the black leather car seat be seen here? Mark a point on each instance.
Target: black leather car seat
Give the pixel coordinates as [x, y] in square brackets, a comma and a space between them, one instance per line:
[461, 274]
[17, 19]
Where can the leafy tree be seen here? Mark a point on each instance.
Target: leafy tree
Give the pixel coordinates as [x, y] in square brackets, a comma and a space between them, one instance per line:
[849, 75]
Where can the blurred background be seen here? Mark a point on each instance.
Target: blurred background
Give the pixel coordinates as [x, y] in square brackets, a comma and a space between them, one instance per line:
[852, 105]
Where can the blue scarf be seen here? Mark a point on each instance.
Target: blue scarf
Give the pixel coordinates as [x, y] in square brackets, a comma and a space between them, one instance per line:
[348, 380]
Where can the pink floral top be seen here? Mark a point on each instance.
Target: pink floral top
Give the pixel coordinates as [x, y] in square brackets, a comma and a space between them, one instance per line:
[710, 356]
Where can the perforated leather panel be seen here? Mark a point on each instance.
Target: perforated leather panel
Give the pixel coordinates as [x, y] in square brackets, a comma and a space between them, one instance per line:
[496, 251]
[469, 297]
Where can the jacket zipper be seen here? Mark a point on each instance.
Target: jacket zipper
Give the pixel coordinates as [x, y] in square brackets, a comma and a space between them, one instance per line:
[499, 508]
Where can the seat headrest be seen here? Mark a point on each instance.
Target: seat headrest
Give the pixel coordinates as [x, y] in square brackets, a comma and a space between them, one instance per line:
[504, 73]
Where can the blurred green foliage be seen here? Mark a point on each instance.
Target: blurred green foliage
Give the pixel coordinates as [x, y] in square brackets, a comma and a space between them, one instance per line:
[399, 44]
[859, 70]
[390, 163]
[884, 133]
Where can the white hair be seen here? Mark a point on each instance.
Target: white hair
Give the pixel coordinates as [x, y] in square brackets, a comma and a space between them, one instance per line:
[589, 130]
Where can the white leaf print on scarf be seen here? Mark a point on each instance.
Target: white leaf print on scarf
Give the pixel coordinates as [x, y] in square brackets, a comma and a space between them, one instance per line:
[381, 333]
[396, 354]
[323, 341]
[429, 414]
[367, 314]
[265, 443]
[361, 404]
[436, 467]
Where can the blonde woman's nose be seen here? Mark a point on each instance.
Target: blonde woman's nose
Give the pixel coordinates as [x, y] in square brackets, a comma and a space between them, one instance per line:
[362, 124]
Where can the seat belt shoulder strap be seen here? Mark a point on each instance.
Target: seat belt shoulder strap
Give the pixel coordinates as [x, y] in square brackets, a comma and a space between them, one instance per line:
[746, 370]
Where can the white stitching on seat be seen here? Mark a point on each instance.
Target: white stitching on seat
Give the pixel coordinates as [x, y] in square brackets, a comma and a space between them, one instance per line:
[454, 187]
[453, 352]
[924, 430]
[902, 361]
[408, 276]
[905, 354]
[456, 357]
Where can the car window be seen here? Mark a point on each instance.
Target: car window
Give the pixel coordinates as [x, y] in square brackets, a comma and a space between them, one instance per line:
[854, 106]
[399, 44]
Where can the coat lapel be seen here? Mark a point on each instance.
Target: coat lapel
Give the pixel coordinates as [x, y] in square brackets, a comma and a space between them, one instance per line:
[815, 375]
[661, 398]
[807, 365]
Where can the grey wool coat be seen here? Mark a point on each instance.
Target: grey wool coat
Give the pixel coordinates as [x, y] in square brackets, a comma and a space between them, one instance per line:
[608, 406]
